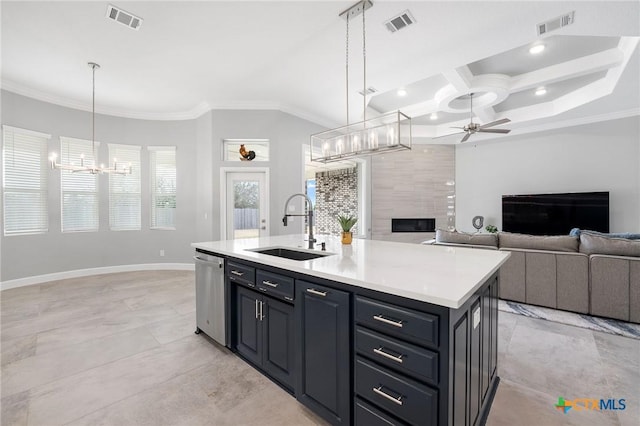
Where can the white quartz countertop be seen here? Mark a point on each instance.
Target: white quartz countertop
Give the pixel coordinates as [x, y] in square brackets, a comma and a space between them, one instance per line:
[445, 276]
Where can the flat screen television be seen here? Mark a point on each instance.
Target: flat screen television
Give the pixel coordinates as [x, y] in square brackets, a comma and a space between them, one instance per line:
[555, 214]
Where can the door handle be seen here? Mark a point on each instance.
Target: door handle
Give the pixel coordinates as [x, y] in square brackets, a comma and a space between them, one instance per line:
[316, 292]
[256, 308]
[269, 283]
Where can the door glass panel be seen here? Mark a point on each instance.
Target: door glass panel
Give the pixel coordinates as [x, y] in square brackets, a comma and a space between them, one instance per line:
[246, 209]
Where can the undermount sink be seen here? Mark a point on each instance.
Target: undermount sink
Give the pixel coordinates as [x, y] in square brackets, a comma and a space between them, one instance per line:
[288, 253]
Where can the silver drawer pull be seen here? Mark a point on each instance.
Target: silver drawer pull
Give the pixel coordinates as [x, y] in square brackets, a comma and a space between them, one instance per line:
[237, 273]
[381, 352]
[388, 321]
[379, 391]
[270, 284]
[316, 292]
[262, 289]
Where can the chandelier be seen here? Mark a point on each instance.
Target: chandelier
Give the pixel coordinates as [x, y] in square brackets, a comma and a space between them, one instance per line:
[385, 133]
[93, 169]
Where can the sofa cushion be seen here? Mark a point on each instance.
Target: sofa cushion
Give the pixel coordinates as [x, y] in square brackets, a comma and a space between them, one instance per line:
[538, 242]
[575, 232]
[596, 244]
[456, 237]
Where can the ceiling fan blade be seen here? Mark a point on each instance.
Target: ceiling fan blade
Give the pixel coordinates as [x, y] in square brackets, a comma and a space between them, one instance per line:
[444, 136]
[495, 123]
[465, 138]
[455, 127]
[494, 130]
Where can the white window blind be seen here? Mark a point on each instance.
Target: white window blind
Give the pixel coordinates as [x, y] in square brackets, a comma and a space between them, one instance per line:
[163, 187]
[79, 190]
[24, 180]
[124, 190]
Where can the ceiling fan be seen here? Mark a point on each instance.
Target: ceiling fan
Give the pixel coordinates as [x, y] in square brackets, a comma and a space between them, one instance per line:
[472, 127]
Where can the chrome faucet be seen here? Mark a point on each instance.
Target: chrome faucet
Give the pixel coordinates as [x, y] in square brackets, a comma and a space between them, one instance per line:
[308, 214]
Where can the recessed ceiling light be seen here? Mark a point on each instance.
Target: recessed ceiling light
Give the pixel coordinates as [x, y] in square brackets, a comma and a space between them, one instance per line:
[538, 48]
[434, 116]
[402, 92]
[540, 91]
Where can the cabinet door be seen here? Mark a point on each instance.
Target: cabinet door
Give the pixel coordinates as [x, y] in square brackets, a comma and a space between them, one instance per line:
[278, 354]
[324, 353]
[248, 325]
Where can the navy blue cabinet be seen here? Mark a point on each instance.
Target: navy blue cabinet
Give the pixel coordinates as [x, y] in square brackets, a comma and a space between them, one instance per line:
[265, 334]
[323, 350]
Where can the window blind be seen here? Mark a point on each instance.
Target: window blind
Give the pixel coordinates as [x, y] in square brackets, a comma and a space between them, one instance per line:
[24, 156]
[124, 190]
[163, 187]
[79, 190]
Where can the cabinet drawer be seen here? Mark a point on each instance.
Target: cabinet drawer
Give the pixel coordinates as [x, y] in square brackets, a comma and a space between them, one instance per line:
[412, 360]
[419, 327]
[241, 274]
[275, 284]
[407, 399]
[368, 415]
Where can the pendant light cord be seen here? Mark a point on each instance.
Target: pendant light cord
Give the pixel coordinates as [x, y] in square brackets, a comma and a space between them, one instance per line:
[364, 63]
[93, 117]
[347, 67]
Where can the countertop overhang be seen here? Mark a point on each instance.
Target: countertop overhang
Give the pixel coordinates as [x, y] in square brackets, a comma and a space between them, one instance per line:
[445, 276]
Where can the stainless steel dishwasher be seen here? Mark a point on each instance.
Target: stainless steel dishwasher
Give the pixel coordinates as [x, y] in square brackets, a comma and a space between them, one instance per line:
[210, 297]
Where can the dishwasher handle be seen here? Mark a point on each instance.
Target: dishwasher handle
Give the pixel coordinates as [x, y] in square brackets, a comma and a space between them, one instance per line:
[205, 262]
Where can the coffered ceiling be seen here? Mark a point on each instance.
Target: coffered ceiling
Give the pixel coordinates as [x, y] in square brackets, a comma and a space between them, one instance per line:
[189, 57]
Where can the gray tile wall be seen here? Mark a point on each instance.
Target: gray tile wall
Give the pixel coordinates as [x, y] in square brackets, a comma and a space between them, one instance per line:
[412, 184]
[336, 194]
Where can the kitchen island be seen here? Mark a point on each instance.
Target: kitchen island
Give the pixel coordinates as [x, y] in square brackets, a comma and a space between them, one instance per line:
[370, 333]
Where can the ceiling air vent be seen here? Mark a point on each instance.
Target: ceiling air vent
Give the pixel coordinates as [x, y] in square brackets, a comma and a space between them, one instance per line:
[124, 18]
[554, 24]
[370, 91]
[399, 22]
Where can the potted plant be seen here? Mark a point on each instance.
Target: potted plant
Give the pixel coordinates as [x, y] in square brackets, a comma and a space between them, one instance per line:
[346, 223]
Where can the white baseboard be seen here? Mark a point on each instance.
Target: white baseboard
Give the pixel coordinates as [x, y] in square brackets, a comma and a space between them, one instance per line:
[38, 279]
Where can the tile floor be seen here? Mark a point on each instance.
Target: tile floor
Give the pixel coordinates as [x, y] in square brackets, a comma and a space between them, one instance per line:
[119, 349]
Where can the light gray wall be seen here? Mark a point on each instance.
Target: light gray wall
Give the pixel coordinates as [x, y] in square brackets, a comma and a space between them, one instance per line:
[199, 158]
[287, 136]
[594, 157]
[32, 255]
[410, 184]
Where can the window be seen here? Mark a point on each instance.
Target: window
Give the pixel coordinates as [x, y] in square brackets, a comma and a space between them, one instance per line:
[79, 190]
[124, 190]
[231, 149]
[24, 180]
[163, 186]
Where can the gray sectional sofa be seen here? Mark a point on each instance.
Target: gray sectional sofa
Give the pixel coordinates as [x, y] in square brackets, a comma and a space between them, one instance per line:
[590, 273]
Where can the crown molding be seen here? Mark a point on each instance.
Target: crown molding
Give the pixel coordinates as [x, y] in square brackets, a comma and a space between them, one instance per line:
[192, 114]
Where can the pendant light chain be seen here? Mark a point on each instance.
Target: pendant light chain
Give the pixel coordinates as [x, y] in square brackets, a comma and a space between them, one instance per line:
[347, 68]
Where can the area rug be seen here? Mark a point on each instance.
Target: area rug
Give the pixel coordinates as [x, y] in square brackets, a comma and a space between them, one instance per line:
[610, 326]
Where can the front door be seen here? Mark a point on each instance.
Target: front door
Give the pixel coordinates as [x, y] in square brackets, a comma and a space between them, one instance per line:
[247, 207]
